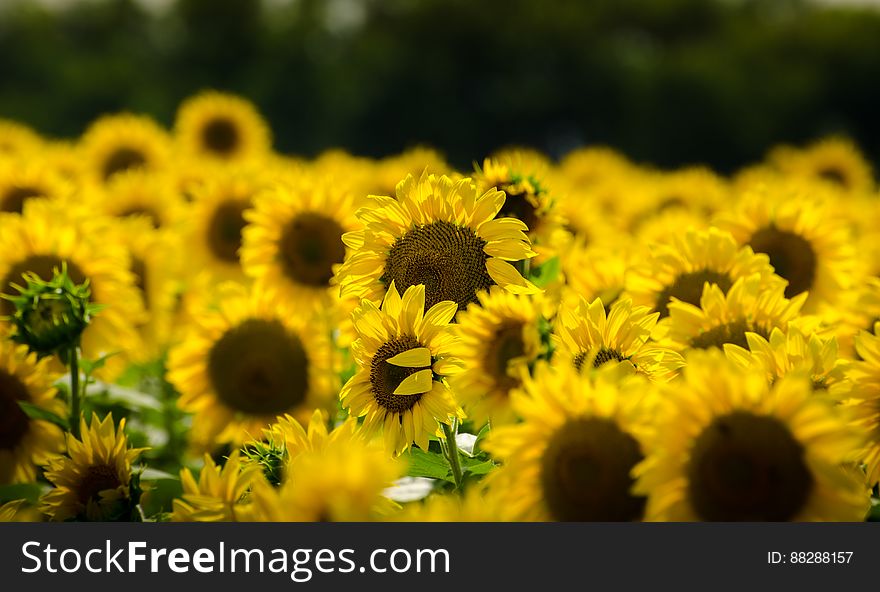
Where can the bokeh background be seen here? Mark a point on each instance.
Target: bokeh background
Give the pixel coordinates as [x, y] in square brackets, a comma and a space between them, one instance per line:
[669, 82]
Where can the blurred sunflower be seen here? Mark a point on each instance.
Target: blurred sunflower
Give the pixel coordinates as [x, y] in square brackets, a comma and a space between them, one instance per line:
[293, 241]
[726, 318]
[17, 139]
[681, 268]
[385, 174]
[220, 493]
[23, 179]
[341, 481]
[499, 339]
[48, 234]
[403, 352]
[216, 221]
[587, 337]
[139, 194]
[439, 233]
[571, 458]
[25, 443]
[693, 193]
[477, 504]
[865, 399]
[521, 177]
[808, 242]
[93, 481]
[793, 351]
[731, 448]
[834, 160]
[592, 272]
[223, 126]
[19, 511]
[244, 361]
[116, 143]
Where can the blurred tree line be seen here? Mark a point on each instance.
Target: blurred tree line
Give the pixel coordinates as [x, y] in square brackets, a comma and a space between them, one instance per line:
[671, 82]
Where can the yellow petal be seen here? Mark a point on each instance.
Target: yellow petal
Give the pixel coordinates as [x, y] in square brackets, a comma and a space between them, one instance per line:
[419, 357]
[415, 384]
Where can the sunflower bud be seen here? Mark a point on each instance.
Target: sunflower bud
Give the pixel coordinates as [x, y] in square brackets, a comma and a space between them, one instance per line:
[50, 316]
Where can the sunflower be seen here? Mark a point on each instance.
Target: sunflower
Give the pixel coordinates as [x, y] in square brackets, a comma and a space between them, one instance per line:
[93, 482]
[116, 143]
[731, 448]
[477, 504]
[865, 399]
[17, 139]
[25, 443]
[342, 480]
[222, 126]
[387, 173]
[792, 351]
[571, 457]
[592, 272]
[246, 360]
[220, 493]
[402, 353]
[522, 178]
[23, 179]
[216, 221]
[586, 336]
[799, 228]
[439, 233]
[681, 268]
[19, 511]
[726, 318]
[835, 161]
[293, 240]
[499, 339]
[49, 234]
[139, 194]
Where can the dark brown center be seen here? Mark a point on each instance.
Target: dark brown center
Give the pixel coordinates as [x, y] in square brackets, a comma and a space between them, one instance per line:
[519, 204]
[259, 368]
[688, 287]
[224, 230]
[585, 472]
[42, 265]
[97, 478]
[791, 255]
[506, 345]
[834, 174]
[747, 467]
[139, 270]
[144, 211]
[13, 200]
[601, 357]
[311, 244]
[221, 136]
[733, 332]
[123, 159]
[385, 377]
[14, 423]
[448, 259]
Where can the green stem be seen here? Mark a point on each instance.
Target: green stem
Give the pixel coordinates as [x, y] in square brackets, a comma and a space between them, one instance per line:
[75, 395]
[450, 450]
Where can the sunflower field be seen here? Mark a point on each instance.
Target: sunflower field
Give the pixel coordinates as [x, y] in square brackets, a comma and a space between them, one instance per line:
[198, 328]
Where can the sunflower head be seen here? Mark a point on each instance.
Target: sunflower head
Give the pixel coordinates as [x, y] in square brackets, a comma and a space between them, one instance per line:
[122, 142]
[94, 480]
[729, 447]
[403, 353]
[439, 233]
[50, 316]
[219, 495]
[222, 126]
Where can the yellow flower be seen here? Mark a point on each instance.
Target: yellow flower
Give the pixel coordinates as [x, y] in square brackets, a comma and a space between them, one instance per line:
[93, 481]
[220, 493]
[342, 480]
[222, 126]
[25, 442]
[499, 340]
[807, 240]
[833, 160]
[680, 269]
[116, 143]
[25, 178]
[865, 399]
[246, 360]
[571, 458]
[731, 448]
[588, 337]
[439, 233]
[17, 139]
[726, 318]
[19, 511]
[402, 353]
[293, 241]
[139, 194]
[477, 504]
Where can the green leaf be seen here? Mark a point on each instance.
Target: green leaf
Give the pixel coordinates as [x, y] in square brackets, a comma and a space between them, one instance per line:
[26, 491]
[428, 464]
[89, 366]
[158, 497]
[546, 272]
[476, 467]
[35, 412]
[481, 435]
[150, 474]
